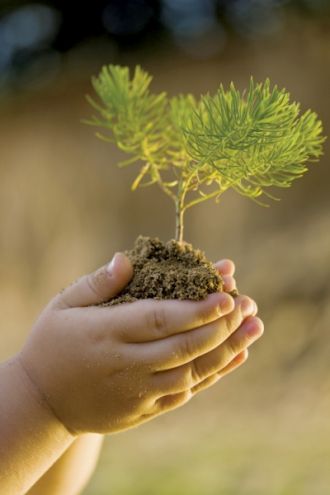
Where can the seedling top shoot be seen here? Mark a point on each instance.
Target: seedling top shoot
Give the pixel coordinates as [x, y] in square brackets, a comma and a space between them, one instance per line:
[196, 149]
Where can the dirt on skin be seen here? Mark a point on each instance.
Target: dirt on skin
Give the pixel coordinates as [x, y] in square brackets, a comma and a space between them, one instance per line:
[168, 271]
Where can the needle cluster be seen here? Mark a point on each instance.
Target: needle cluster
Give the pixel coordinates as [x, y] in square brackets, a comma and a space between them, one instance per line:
[195, 149]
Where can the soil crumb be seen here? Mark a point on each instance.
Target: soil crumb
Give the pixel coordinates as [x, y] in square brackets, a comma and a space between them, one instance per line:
[168, 271]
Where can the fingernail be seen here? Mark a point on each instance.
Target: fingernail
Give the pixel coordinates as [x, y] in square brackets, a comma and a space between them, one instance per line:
[247, 307]
[111, 265]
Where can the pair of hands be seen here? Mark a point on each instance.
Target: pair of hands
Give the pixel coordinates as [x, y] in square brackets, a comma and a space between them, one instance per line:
[106, 369]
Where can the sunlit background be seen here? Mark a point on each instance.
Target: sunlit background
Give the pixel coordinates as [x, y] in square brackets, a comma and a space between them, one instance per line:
[65, 208]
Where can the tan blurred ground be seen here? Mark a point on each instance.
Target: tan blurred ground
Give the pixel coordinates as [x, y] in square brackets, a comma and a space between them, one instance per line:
[65, 208]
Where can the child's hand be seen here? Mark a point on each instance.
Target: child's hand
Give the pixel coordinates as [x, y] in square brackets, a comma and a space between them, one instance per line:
[105, 369]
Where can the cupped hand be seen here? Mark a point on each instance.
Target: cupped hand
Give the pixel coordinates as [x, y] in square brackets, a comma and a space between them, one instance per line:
[106, 369]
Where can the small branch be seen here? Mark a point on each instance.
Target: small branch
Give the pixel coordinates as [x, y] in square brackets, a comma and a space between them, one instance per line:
[201, 198]
[160, 182]
[166, 190]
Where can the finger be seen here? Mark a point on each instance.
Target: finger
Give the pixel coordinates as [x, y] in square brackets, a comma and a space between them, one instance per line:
[169, 402]
[183, 348]
[173, 401]
[211, 380]
[225, 267]
[235, 363]
[229, 283]
[220, 358]
[97, 287]
[187, 376]
[151, 320]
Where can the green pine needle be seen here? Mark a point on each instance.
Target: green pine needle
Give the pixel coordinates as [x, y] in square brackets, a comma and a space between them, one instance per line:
[248, 141]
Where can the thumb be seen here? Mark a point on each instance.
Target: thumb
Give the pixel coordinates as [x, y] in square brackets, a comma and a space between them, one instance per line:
[99, 286]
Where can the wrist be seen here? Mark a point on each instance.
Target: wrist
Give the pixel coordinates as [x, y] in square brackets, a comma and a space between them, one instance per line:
[32, 438]
[36, 397]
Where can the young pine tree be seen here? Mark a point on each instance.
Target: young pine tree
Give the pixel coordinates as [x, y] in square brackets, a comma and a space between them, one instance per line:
[195, 150]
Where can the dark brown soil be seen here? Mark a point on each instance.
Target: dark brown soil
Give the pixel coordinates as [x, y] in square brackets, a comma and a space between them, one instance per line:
[168, 271]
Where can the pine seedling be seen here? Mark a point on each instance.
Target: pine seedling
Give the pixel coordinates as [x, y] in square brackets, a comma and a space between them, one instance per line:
[195, 150]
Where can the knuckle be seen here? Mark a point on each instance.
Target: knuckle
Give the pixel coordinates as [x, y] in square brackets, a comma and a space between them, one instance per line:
[205, 315]
[195, 372]
[172, 401]
[234, 320]
[187, 347]
[92, 284]
[226, 326]
[234, 346]
[158, 321]
[185, 378]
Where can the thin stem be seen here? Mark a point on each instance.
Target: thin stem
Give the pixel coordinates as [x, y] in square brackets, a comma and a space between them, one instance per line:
[179, 211]
[180, 207]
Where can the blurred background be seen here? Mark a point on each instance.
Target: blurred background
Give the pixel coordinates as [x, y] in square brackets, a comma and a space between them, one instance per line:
[65, 208]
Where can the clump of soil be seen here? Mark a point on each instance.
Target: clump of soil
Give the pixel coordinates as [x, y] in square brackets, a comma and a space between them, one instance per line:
[168, 271]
